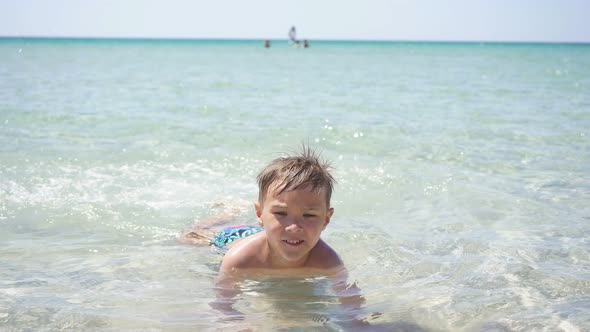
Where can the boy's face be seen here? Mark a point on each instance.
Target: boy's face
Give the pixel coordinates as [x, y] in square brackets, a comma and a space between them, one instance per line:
[293, 222]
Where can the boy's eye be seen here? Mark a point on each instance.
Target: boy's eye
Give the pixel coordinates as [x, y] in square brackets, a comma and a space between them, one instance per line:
[280, 213]
[308, 215]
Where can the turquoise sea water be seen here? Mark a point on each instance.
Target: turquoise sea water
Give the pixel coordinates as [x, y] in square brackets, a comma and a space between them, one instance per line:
[463, 172]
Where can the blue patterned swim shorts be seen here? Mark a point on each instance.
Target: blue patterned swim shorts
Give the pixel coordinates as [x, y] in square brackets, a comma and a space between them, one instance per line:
[230, 234]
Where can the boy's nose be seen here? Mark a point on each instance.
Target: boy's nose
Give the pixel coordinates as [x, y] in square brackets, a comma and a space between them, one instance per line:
[294, 226]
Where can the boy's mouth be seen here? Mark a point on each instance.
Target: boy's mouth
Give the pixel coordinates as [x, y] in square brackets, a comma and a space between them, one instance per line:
[293, 242]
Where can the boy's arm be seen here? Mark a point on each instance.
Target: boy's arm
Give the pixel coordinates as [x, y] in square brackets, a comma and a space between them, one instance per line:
[227, 286]
[351, 300]
[350, 295]
[226, 289]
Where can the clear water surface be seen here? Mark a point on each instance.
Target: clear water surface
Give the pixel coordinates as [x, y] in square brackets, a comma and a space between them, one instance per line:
[463, 172]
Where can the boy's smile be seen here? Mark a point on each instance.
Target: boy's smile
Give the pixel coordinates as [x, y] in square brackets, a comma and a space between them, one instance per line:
[293, 222]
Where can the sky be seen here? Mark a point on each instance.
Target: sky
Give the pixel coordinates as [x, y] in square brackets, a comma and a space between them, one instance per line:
[405, 20]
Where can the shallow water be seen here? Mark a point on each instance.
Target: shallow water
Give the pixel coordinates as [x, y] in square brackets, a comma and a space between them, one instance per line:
[461, 203]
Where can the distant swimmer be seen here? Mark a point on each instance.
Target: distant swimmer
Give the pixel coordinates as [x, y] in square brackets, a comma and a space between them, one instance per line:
[293, 35]
[267, 43]
[305, 44]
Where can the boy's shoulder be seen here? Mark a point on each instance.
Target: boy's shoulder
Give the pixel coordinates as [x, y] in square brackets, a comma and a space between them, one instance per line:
[248, 253]
[324, 257]
[245, 253]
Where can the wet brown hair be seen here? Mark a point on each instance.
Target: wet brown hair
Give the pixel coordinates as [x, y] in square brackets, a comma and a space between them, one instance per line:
[304, 170]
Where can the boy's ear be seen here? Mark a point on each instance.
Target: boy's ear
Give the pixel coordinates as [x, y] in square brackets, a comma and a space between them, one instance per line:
[258, 209]
[328, 216]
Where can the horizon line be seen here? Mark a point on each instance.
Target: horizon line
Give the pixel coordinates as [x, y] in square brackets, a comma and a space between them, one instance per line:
[450, 41]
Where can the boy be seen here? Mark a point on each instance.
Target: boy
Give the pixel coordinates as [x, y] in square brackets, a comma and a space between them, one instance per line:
[292, 210]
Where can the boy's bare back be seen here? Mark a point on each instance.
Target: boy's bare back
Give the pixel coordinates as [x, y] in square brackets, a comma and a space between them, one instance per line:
[249, 256]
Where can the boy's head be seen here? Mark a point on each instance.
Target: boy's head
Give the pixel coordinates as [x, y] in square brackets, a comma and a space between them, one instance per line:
[303, 171]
